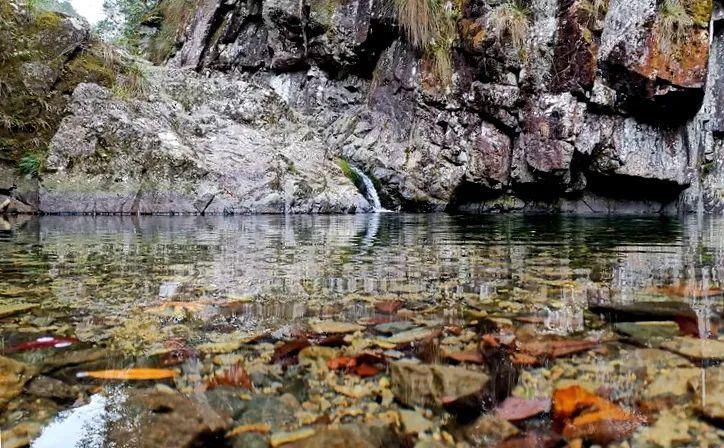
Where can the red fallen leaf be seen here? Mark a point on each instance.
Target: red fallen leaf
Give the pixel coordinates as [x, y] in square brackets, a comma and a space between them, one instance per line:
[234, 376]
[514, 409]
[470, 356]
[366, 370]
[532, 440]
[388, 306]
[341, 362]
[334, 340]
[362, 364]
[43, 342]
[556, 348]
[584, 415]
[287, 351]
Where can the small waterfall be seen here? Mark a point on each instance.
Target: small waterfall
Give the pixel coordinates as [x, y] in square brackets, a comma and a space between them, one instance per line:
[370, 191]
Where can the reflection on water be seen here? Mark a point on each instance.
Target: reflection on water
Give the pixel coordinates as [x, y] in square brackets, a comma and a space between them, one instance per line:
[83, 426]
[143, 287]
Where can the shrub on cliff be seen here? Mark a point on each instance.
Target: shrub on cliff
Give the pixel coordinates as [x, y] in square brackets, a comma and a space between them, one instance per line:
[430, 26]
[510, 21]
[674, 25]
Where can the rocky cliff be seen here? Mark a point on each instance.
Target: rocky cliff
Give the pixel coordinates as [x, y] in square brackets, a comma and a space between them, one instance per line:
[589, 106]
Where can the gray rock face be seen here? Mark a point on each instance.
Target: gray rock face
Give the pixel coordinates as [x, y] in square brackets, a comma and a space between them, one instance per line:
[597, 112]
[198, 145]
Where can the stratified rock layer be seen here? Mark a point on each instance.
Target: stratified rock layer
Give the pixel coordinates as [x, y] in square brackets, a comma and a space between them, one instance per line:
[603, 109]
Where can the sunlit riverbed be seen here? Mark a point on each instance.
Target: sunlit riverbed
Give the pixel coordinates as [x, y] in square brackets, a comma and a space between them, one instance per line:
[202, 297]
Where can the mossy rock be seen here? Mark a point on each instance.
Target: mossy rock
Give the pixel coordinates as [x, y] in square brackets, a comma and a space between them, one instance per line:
[87, 67]
[700, 11]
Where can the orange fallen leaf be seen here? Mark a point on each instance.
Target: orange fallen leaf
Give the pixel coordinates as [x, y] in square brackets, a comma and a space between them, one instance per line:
[341, 362]
[361, 364]
[129, 374]
[585, 415]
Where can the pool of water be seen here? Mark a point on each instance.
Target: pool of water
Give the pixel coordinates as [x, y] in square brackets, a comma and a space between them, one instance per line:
[248, 314]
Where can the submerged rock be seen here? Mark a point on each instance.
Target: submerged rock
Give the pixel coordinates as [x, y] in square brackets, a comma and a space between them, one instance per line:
[47, 387]
[350, 436]
[13, 376]
[413, 422]
[159, 419]
[488, 430]
[648, 334]
[434, 385]
[697, 349]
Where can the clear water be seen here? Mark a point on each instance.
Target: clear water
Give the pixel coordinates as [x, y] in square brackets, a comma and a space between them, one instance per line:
[132, 286]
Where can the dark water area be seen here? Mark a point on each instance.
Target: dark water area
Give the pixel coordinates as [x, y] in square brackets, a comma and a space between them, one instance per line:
[251, 331]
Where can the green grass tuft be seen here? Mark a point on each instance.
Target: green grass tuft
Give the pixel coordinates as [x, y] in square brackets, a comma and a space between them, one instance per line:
[429, 25]
[510, 21]
[348, 172]
[30, 165]
[674, 25]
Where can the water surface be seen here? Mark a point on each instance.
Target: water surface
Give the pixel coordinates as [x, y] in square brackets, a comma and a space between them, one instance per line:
[169, 292]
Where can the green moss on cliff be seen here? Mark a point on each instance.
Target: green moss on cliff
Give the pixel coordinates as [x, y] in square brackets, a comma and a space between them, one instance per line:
[700, 12]
[349, 173]
[37, 72]
[88, 66]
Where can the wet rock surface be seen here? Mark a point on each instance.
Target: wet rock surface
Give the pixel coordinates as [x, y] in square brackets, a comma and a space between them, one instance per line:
[430, 385]
[562, 124]
[165, 419]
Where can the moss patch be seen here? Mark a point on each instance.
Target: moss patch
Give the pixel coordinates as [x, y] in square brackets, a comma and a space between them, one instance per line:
[87, 67]
[349, 173]
[700, 11]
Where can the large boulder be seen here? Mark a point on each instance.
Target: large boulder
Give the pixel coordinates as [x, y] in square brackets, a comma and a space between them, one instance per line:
[199, 145]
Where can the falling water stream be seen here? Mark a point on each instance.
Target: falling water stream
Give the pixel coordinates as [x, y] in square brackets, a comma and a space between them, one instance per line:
[370, 190]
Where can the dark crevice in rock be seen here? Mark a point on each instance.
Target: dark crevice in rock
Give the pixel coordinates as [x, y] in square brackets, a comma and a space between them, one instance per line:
[633, 188]
[470, 193]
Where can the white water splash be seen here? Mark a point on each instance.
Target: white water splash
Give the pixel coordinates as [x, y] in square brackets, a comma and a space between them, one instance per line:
[370, 190]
